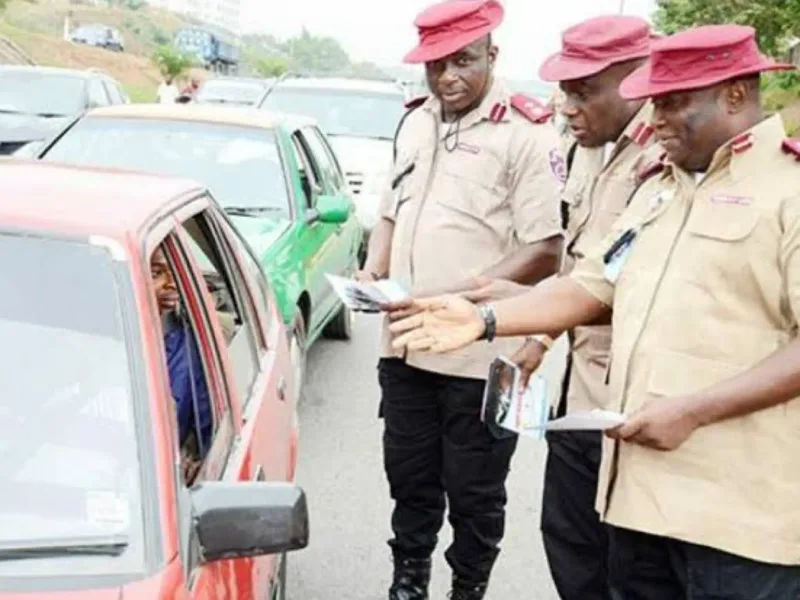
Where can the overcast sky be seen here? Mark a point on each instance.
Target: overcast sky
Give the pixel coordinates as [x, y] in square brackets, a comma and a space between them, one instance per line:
[530, 32]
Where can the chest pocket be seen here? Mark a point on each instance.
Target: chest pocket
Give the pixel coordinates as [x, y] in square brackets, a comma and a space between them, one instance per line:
[472, 182]
[723, 221]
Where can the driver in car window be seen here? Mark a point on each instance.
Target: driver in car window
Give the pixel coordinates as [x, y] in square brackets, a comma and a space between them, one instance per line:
[186, 376]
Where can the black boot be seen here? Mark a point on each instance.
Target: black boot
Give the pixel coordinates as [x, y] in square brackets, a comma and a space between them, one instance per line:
[463, 590]
[411, 579]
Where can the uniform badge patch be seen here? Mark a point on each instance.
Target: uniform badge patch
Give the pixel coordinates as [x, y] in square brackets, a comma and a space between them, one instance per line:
[557, 165]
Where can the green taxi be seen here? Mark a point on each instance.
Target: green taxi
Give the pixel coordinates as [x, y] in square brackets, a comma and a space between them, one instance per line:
[276, 177]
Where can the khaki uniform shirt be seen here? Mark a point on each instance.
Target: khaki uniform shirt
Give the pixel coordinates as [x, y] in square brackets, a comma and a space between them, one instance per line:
[597, 191]
[473, 198]
[710, 288]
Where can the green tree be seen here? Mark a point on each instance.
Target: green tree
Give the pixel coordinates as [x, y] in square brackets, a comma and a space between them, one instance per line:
[270, 66]
[316, 53]
[774, 20]
[171, 62]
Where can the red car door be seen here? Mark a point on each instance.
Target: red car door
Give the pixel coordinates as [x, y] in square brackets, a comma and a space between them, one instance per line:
[253, 355]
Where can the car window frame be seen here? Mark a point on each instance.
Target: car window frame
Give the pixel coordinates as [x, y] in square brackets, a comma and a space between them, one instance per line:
[334, 181]
[305, 164]
[101, 86]
[207, 202]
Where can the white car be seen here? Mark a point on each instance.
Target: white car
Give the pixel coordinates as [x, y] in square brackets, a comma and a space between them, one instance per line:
[359, 117]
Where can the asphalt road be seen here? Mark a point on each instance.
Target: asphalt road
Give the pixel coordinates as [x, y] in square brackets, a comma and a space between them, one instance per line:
[342, 473]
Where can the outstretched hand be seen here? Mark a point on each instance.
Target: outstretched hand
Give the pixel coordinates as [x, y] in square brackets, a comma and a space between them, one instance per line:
[436, 325]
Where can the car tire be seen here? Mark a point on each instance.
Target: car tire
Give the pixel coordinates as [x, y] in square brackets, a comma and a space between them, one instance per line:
[341, 326]
[297, 352]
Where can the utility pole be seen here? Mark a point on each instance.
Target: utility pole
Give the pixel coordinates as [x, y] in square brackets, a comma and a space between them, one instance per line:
[621, 6]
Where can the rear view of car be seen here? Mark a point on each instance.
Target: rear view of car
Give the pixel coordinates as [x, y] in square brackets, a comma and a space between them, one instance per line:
[235, 91]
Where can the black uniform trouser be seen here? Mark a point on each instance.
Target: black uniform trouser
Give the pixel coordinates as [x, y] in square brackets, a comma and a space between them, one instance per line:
[575, 540]
[648, 567]
[435, 445]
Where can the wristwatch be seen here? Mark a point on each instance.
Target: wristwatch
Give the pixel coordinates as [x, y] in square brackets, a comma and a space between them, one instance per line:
[544, 339]
[489, 322]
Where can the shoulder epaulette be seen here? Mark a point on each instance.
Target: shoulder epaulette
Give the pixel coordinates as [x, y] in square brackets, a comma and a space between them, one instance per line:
[415, 102]
[650, 169]
[531, 108]
[642, 133]
[791, 146]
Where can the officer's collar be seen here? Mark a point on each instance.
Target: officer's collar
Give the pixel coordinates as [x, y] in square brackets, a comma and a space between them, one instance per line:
[494, 106]
[639, 130]
[749, 152]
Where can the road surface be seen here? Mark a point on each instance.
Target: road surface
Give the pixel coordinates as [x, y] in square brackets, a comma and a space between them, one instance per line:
[341, 470]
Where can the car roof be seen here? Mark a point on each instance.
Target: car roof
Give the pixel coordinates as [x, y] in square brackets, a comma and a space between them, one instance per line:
[52, 70]
[244, 116]
[341, 83]
[67, 199]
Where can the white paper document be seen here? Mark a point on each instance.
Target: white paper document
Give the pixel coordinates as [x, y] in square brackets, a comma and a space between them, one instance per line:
[587, 420]
[366, 296]
[508, 407]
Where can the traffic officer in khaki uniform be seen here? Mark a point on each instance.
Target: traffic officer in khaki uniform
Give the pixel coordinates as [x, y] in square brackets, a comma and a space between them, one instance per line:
[614, 149]
[614, 146]
[475, 190]
[699, 485]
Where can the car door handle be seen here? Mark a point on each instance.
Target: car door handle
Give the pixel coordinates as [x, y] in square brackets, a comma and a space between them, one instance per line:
[282, 389]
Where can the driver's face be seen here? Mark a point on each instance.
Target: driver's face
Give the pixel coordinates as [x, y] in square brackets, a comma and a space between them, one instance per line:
[166, 290]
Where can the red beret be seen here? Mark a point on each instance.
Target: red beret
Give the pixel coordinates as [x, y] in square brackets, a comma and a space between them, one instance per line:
[698, 58]
[595, 44]
[449, 26]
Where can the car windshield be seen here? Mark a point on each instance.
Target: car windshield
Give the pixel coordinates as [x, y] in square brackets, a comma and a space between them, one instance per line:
[342, 112]
[36, 91]
[233, 92]
[240, 165]
[69, 466]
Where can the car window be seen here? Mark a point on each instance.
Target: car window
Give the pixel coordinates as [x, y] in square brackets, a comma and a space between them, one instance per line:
[257, 279]
[97, 93]
[334, 181]
[310, 179]
[221, 91]
[242, 166]
[350, 113]
[234, 308]
[36, 91]
[114, 92]
[203, 415]
[70, 468]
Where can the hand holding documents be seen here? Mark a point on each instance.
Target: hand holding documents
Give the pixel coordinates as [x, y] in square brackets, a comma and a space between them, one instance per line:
[367, 297]
[507, 408]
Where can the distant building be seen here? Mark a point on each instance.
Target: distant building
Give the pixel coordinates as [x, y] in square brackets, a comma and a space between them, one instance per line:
[225, 14]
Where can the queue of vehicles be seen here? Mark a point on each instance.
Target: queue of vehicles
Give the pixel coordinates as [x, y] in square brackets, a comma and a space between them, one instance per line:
[248, 196]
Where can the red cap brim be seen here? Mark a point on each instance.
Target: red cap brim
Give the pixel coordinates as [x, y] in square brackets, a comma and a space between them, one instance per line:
[638, 86]
[430, 51]
[558, 67]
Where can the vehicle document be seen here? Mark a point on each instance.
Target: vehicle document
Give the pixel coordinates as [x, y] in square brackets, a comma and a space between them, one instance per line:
[366, 297]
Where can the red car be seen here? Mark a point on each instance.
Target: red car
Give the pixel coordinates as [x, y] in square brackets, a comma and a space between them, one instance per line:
[101, 498]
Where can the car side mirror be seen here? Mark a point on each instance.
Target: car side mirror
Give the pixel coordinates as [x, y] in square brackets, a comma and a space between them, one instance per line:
[333, 209]
[244, 519]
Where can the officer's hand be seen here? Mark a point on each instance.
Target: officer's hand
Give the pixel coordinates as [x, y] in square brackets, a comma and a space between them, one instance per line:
[491, 290]
[528, 358]
[662, 425]
[437, 325]
[364, 276]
